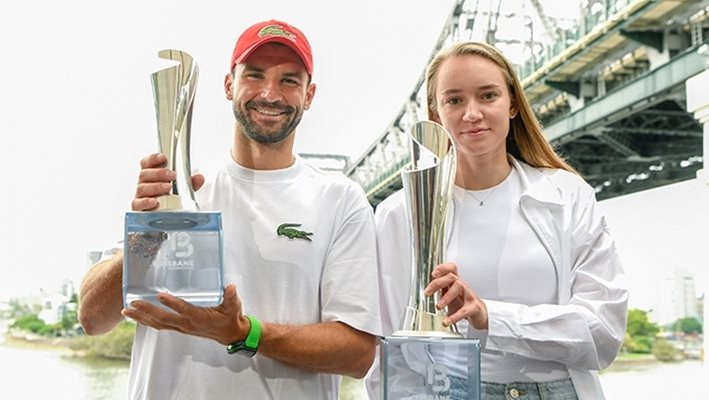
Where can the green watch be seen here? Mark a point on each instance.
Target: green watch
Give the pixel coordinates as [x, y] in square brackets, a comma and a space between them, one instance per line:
[249, 345]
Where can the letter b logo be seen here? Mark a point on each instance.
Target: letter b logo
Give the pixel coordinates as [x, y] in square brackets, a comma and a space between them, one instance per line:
[437, 378]
[181, 244]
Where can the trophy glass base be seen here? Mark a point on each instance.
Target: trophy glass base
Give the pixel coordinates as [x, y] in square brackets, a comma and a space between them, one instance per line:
[178, 252]
[430, 368]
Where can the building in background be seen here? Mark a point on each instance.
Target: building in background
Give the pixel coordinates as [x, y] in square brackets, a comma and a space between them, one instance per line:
[677, 298]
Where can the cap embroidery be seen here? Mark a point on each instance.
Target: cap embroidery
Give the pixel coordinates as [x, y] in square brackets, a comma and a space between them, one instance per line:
[275, 30]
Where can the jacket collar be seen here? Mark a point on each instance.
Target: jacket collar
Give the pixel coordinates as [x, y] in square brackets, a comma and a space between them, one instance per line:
[536, 184]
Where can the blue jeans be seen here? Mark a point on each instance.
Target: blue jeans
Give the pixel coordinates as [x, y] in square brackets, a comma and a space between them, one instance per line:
[562, 389]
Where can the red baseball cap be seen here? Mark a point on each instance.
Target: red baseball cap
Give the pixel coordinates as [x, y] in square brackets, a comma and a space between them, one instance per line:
[269, 32]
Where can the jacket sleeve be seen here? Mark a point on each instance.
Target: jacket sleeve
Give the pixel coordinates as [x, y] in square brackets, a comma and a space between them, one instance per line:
[586, 329]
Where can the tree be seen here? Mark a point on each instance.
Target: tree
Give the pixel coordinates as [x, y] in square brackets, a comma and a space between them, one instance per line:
[639, 325]
[116, 344]
[32, 323]
[640, 333]
[665, 351]
[688, 326]
[18, 309]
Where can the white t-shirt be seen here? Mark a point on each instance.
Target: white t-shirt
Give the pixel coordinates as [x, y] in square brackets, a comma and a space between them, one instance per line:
[501, 257]
[333, 277]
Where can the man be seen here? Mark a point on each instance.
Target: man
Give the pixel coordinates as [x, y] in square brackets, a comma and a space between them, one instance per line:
[310, 304]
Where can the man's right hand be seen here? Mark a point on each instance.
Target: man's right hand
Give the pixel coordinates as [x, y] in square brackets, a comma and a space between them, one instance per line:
[154, 181]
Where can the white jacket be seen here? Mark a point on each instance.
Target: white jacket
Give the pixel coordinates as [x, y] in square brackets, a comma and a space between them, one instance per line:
[584, 331]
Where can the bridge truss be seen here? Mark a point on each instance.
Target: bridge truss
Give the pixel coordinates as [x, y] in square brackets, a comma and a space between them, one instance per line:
[607, 85]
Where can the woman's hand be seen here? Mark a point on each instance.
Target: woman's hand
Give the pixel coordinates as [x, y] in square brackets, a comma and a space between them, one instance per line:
[461, 300]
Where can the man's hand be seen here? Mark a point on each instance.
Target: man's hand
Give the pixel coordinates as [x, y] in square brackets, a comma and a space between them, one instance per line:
[155, 180]
[224, 323]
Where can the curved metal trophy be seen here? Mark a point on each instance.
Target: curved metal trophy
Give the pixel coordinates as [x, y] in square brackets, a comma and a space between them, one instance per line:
[425, 359]
[176, 249]
[427, 185]
[173, 92]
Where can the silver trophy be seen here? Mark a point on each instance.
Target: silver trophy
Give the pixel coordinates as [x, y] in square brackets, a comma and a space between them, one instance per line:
[176, 248]
[427, 185]
[173, 92]
[425, 359]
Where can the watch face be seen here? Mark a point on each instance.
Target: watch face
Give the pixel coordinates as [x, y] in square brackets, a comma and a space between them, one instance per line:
[240, 348]
[246, 352]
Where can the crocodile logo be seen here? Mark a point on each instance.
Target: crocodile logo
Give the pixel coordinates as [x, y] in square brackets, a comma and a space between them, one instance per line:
[276, 30]
[288, 230]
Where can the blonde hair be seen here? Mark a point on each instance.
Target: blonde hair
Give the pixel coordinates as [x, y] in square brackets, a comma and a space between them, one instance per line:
[526, 140]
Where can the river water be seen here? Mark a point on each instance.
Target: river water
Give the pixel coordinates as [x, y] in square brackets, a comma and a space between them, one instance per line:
[34, 374]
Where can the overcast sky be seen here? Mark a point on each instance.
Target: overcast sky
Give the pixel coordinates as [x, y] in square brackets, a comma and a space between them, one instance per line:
[76, 116]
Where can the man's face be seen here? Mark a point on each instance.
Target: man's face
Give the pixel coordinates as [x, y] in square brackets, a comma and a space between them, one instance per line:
[269, 92]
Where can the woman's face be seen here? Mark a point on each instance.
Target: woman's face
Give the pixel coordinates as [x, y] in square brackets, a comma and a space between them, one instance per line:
[474, 105]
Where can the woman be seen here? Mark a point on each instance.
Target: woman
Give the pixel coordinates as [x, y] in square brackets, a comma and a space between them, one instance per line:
[532, 270]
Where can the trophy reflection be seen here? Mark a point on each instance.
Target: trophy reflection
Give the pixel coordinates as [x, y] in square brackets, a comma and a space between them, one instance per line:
[425, 359]
[177, 248]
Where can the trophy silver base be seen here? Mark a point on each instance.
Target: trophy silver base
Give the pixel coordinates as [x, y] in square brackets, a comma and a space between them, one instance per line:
[431, 334]
[418, 322]
[430, 368]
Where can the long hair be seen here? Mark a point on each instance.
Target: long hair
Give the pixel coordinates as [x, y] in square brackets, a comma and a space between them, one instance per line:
[525, 140]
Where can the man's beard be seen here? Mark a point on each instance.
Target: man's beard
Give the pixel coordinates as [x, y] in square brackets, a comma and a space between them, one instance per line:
[253, 131]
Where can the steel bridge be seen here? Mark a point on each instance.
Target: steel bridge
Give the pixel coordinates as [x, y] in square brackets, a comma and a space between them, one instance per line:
[609, 89]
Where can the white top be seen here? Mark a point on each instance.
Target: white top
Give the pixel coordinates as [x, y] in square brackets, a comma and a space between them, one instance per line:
[557, 296]
[279, 280]
[485, 245]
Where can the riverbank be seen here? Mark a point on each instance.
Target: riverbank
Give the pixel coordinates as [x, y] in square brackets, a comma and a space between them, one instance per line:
[34, 342]
[63, 345]
[629, 361]
[633, 358]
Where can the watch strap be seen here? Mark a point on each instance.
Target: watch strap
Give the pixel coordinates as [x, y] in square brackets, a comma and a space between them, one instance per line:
[250, 343]
[254, 336]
